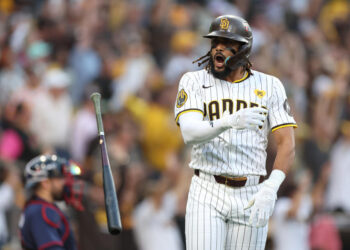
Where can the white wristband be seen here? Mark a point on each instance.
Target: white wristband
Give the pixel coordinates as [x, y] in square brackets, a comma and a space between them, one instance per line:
[275, 180]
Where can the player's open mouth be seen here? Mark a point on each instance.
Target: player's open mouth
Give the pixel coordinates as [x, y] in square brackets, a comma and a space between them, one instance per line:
[219, 60]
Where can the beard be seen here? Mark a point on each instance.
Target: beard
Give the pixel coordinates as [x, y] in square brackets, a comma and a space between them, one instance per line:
[58, 194]
[218, 74]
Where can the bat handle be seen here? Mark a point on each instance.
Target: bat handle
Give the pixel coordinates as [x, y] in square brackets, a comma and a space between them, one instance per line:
[96, 99]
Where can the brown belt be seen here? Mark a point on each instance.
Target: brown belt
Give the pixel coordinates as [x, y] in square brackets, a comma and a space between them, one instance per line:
[231, 181]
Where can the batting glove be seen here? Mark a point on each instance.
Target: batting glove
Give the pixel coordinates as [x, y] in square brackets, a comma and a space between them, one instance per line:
[245, 118]
[263, 202]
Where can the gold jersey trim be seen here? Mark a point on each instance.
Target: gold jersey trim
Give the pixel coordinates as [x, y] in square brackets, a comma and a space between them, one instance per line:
[242, 79]
[284, 125]
[186, 111]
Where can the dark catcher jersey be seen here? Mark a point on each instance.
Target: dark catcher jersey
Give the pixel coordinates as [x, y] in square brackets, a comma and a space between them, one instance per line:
[43, 226]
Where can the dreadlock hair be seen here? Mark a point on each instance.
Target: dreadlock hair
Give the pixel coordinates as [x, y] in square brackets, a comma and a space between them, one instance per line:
[248, 67]
[206, 58]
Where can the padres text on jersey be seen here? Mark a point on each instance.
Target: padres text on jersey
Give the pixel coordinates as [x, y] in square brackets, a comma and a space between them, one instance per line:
[234, 152]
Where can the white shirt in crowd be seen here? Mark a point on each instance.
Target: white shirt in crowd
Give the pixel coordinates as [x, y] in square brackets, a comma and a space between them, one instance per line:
[291, 233]
[51, 119]
[84, 130]
[337, 194]
[6, 200]
[155, 229]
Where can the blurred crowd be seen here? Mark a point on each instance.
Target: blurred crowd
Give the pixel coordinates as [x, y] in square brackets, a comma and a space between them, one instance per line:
[55, 53]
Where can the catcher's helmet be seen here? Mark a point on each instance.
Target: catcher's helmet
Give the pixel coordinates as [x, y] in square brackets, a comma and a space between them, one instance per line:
[44, 167]
[47, 166]
[232, 27]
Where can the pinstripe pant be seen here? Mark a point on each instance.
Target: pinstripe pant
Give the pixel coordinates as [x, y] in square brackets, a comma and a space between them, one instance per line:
[216, 220]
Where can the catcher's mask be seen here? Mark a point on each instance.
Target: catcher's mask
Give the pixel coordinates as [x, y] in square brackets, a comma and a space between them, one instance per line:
[44, 167]
[236, 29]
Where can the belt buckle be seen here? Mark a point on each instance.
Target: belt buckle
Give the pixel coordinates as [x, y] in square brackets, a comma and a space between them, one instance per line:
[227, 179]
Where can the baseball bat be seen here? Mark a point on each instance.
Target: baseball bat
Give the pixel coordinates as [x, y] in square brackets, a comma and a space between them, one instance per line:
[111, 201]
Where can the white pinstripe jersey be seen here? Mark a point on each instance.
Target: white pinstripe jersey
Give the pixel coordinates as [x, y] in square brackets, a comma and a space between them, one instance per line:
[233, 152]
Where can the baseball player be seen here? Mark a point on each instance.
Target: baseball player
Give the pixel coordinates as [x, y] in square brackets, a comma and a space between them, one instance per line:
[227, 111]
[42, 224]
